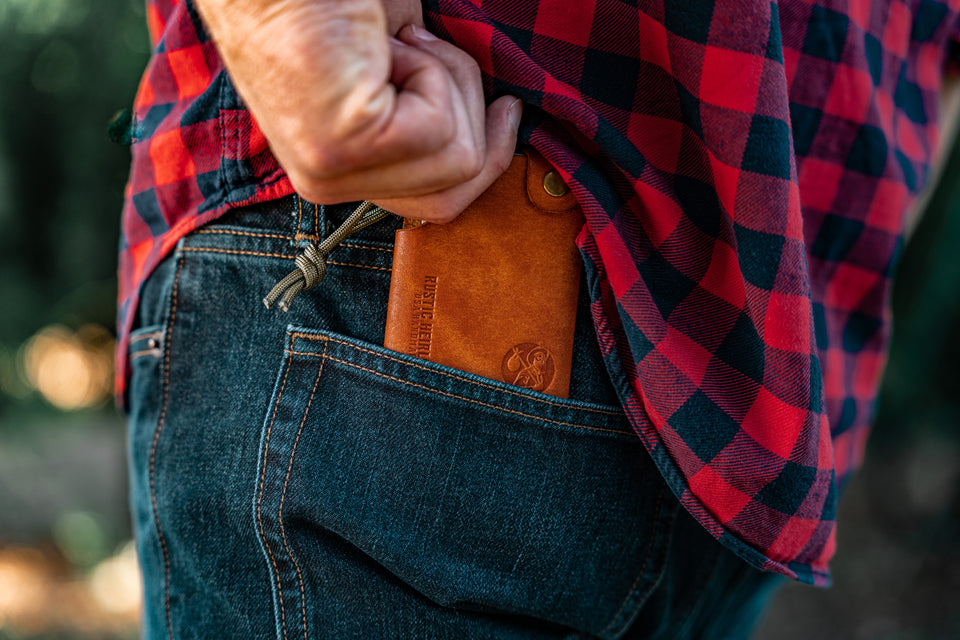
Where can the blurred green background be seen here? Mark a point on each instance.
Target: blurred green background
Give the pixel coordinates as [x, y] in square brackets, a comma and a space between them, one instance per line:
[66, 67]
[67, 570]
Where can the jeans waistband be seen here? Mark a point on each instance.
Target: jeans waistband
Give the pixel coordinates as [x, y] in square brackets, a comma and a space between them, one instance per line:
[302, 223]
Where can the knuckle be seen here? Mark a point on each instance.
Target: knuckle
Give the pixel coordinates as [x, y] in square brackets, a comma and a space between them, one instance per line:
[479, 161]
[462, 60]
[439, 135]
[315, 162]
[444, 129]
[469, 163]
[469, 64]
[459, 172]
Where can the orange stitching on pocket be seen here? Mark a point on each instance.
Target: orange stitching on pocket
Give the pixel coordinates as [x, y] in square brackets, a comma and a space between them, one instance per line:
[358, 266]
[456, 377]
[283, 495]
[263, 476]
[360, 245]
[153, 450]
[470, 400]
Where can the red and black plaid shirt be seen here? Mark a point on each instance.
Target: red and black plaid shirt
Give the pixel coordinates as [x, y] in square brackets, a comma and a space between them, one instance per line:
[745, 169]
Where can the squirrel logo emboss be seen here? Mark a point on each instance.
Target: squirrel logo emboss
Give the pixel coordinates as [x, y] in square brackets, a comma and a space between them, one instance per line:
[528, 365]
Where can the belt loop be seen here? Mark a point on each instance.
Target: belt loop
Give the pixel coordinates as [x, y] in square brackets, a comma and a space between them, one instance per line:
[320, 221]
[308, 222]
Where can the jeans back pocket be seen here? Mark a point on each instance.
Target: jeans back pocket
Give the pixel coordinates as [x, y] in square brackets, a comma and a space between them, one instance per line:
[472, 494]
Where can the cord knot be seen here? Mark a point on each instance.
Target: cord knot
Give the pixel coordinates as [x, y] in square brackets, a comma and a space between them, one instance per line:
[312, 263]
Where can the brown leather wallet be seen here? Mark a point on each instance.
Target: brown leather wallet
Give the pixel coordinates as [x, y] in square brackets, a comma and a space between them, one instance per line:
[495, 291]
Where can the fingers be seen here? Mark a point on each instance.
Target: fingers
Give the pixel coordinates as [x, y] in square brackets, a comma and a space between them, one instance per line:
[434, 139]
[501, 124]
[397, 186]
[436, 150]
[422, 118]
[455, 118]
[464, 70]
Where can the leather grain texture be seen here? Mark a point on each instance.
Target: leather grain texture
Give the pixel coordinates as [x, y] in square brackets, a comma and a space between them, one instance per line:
[495, 291]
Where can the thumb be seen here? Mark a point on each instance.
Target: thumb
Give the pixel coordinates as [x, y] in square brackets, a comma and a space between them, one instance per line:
[503, 123]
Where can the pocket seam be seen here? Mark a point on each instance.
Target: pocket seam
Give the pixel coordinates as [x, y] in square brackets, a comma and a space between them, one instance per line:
[456, 397]
[361, 245]
[283, 495]
[308, 336]
[260, 491]
[359, 266]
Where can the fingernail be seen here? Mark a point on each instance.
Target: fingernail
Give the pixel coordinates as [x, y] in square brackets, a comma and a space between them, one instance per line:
[422, 34]
[514, 113]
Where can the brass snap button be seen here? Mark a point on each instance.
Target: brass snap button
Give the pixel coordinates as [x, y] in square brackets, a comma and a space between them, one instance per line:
[554, 185]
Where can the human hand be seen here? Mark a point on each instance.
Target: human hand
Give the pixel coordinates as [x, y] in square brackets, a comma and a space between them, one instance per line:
[353, 114]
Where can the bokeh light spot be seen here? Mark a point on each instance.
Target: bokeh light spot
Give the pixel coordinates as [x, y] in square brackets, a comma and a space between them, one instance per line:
[72, 370]
[115, 582]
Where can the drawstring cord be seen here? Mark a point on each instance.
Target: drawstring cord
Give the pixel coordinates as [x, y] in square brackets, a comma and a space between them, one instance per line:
[312, 263]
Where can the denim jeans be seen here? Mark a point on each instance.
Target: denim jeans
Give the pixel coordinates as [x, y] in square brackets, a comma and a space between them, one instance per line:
[291, 478]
